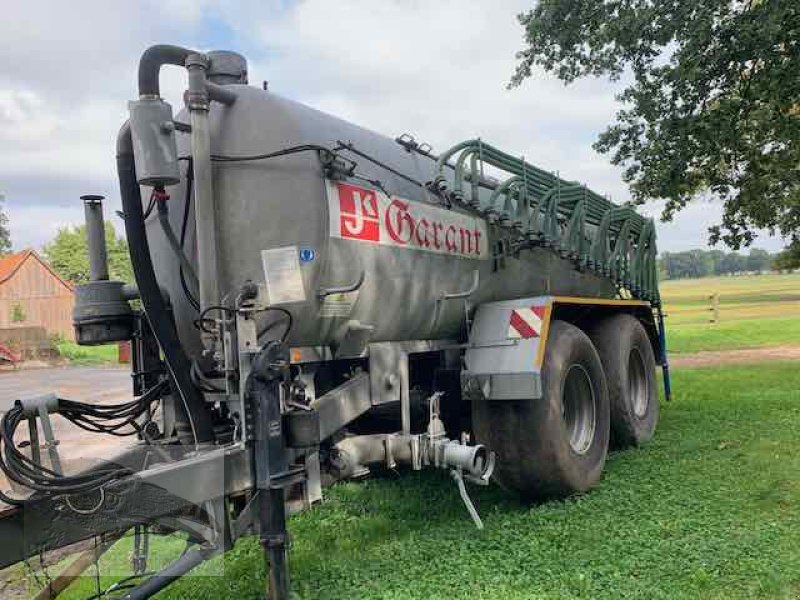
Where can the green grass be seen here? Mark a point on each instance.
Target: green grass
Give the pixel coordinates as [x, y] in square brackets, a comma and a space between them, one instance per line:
[755, 311]
[87, 355]
[730, 335]
[686, 301]
[711, 509]
[770, 286]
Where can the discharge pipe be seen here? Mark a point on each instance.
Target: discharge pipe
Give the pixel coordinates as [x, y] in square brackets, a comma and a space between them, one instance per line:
[355, 453]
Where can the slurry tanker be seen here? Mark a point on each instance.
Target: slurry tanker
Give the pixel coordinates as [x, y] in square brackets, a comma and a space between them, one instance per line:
[313, 302]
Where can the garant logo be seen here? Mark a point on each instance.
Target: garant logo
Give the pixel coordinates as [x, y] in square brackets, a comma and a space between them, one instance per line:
[420, 231]
[359, 213]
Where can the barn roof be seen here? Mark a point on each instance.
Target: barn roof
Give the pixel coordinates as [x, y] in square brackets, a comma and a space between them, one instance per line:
[10, 264]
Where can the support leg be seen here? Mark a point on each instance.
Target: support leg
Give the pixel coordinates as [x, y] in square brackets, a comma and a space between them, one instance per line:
[274, 540]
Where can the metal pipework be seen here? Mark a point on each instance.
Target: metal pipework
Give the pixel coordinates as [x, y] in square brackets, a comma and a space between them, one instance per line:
[154, 140]
[205, 210]
[95, 237]
[355, 453]
[150, 66]
[194, 423]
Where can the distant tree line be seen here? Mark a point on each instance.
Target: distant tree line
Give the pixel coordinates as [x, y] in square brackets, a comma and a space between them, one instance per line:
[707, 263]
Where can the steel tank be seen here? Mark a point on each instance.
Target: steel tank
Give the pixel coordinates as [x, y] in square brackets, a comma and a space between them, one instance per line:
[286, 202]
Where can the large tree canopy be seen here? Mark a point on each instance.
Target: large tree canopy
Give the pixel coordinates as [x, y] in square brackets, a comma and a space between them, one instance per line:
[68, 254]
[713, 104]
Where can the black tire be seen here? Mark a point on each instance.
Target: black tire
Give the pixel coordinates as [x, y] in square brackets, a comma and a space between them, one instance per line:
[629, 362]
[541, 453]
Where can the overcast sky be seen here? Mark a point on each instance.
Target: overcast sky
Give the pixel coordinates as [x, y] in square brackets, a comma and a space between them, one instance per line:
[436, 69]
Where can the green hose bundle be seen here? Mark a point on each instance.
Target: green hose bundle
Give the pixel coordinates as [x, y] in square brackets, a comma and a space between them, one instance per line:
[580, 224]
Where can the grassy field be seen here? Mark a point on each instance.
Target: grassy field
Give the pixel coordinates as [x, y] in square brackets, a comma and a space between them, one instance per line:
[755, 311]
[710, 509]
[87, 355]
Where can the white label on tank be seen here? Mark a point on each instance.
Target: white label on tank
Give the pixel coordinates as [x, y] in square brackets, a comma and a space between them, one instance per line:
[367, 215]
[283, 276]
[338, 305]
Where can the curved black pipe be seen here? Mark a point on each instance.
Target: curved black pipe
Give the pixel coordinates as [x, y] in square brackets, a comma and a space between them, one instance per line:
[171, 573]
[151, 62]
[196, 417]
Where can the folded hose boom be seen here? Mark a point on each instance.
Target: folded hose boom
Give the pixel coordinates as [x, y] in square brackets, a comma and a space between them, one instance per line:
[580, 224]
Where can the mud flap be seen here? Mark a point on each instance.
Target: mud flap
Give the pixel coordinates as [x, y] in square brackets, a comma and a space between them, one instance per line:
[506, 348]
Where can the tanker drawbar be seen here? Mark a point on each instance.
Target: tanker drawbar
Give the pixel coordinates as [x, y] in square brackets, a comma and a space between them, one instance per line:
[314, 302]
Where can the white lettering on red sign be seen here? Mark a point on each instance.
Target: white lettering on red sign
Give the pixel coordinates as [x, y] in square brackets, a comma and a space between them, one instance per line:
[367, 215]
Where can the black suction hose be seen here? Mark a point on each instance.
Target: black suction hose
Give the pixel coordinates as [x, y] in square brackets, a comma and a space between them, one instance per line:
[151, 62]
[170, 574]
[193, 417]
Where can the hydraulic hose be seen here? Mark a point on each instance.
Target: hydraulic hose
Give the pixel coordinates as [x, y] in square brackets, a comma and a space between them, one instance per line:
[192, 417]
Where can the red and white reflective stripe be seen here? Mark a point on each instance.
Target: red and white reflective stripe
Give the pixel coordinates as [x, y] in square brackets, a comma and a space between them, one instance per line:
[526, 323]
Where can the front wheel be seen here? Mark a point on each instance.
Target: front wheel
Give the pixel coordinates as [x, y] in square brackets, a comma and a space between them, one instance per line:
[556, 445]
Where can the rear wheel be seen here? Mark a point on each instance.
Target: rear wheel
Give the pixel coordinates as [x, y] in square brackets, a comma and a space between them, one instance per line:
[556, 445]
[629, 363]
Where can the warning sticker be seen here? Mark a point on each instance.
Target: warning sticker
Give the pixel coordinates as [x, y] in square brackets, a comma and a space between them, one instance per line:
[338, 305]
[283, 276]
[526, 322]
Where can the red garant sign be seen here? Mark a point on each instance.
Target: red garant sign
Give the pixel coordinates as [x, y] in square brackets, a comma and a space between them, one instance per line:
[367, 215]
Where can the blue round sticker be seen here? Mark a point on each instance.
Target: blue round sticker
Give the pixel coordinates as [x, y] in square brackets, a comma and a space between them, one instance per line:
[307, 255]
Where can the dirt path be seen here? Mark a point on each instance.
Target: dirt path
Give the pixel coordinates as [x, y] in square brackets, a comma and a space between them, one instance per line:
[727, 357]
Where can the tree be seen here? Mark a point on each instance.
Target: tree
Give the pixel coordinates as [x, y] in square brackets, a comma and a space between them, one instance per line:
[713, 101]
[5, 234]
[702, 263]
[758, 260]
[68, 254]
[716, 257]
[789, 259]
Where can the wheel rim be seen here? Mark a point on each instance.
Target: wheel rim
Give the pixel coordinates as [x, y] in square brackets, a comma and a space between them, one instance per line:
[578, 408]
[638, 390]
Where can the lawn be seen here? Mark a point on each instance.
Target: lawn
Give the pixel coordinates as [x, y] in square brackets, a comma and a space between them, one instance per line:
[744, 297]
[755, 311]
[88, 355]
[710, 509]
[731, 335]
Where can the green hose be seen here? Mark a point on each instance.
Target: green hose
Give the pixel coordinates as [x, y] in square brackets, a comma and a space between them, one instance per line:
[540, 207]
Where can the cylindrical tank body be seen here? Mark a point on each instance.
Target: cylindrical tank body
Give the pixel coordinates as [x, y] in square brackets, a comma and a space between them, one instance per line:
[285, 202]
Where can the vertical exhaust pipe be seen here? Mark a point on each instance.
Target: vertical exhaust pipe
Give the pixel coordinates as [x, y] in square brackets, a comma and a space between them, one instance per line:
[95, 237]
[101, 314]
